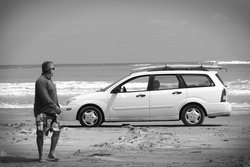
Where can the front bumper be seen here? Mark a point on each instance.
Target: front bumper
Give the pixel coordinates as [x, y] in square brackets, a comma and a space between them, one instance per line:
[68, 113]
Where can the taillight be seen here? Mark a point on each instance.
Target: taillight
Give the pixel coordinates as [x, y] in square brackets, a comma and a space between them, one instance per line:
[223, 96]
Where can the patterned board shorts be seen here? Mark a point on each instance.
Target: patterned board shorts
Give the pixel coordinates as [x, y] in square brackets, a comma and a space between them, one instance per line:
[46, 124]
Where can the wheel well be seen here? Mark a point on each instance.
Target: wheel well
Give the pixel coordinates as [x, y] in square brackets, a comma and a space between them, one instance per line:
[77, 115]
[205, 112]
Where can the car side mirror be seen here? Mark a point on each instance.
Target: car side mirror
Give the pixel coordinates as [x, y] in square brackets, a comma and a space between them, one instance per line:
[116, 90]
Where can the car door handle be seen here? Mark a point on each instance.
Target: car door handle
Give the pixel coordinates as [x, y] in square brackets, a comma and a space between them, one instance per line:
[140, 95]
[176, 93]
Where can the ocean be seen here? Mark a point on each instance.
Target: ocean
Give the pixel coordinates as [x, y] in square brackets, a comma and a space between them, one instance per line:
[17, 82]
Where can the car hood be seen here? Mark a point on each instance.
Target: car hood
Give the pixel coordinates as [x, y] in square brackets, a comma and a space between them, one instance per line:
[101, 96]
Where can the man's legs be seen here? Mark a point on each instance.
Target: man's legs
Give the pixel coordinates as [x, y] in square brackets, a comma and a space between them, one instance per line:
[54, 141]
[39, 141]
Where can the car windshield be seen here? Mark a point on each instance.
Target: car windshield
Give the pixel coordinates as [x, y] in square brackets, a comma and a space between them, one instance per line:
[106, 88]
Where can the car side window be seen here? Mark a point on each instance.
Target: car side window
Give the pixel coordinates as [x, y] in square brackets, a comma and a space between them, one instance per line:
[164, 82]
[136, 84]
[197, 81]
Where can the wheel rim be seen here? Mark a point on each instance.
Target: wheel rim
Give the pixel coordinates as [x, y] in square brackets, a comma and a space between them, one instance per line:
[90, 117]
[193, 116]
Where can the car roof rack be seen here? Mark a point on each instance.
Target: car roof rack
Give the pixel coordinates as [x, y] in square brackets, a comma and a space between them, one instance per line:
[178, 67]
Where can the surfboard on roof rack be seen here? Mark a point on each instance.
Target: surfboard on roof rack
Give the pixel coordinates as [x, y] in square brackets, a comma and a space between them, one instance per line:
[178, 67]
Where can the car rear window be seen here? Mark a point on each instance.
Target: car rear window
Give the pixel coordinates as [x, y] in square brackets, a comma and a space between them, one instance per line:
[192, 80]
[217, 75]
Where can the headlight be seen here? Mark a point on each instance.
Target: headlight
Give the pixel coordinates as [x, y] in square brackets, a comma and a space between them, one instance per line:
[68, 101]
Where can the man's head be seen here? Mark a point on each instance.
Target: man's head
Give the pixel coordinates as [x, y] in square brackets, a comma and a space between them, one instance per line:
[48, 68]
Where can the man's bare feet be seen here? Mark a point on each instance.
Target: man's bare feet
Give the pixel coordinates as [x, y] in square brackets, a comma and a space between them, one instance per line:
[52, 158]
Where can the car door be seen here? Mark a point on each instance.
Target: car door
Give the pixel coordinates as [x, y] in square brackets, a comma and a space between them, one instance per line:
[166, 98]
[130, 100]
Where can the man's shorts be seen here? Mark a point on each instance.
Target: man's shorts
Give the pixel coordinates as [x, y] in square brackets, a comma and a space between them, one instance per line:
[46, 123]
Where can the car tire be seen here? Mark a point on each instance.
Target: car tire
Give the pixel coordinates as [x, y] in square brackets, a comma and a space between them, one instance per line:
[192, 115]
[90, 116]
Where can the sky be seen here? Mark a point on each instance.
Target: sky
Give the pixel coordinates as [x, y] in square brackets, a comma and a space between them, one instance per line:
[123, 31]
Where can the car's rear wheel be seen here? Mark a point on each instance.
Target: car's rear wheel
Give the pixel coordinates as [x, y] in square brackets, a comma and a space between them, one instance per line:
[192, 115]
[90, 116]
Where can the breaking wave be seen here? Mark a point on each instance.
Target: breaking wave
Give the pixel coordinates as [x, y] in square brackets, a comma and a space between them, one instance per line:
[238, 87]
[20, 92]
[228, 62]
[234, 62]
[63, 88]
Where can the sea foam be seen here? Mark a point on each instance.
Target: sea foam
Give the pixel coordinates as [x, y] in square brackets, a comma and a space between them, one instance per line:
[63, 88]
[238, 87]
[21, 95]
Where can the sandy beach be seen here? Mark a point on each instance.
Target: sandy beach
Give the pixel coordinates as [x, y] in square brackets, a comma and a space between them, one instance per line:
[218, 142]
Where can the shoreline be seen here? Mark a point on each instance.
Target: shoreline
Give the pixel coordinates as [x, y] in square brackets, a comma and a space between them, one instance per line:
[222, 141]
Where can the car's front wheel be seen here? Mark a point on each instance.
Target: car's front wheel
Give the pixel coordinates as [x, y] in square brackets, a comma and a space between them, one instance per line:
[90, 116]
[192, 115]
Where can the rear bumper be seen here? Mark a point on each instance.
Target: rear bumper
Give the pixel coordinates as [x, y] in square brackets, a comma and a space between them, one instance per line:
[218, 115]
[218, 110]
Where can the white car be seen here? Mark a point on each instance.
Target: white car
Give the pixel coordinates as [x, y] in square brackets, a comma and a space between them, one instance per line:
[159, 93]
